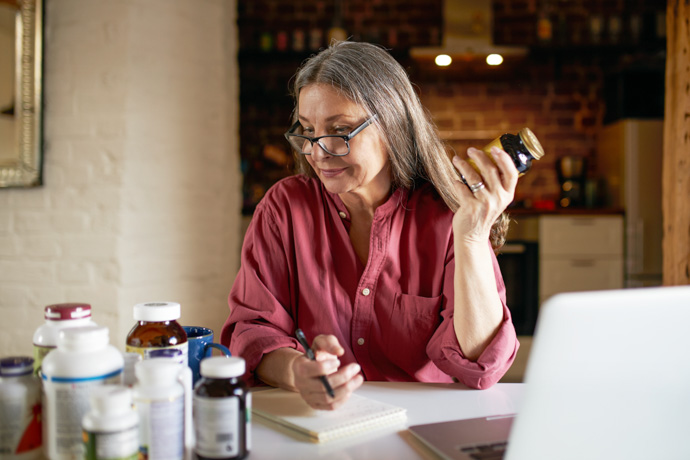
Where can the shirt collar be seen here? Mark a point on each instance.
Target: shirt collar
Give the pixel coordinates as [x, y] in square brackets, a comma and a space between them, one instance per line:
[397, 198]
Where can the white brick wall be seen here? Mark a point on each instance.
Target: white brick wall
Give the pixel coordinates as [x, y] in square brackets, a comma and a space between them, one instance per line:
[142, 185]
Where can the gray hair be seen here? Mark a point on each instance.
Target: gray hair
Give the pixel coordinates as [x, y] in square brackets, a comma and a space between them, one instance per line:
[370, 77]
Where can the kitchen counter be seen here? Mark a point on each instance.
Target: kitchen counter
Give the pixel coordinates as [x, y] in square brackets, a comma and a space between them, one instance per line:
[564, 211]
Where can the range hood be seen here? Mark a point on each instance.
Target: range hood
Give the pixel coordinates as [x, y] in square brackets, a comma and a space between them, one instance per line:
[467, 32]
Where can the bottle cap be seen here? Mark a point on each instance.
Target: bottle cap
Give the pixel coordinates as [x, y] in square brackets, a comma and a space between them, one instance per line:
[66, 311]
[16, 366]
[222, 367]
[157, 311]
[83, 338]
[531, 142]
[111, 399]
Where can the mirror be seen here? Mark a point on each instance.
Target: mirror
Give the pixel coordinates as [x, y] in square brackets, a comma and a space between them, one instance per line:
[21, 58]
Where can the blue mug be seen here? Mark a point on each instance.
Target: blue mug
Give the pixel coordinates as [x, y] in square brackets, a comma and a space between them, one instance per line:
[200, 345]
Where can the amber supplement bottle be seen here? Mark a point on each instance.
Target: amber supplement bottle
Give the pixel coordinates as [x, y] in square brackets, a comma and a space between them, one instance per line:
[522, 147]
[222, 410]
[157, 328]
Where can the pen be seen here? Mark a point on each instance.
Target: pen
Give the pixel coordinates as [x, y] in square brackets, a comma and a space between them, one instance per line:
[310, 354]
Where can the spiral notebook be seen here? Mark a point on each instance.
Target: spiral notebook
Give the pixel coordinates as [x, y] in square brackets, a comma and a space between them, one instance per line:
[358, 415]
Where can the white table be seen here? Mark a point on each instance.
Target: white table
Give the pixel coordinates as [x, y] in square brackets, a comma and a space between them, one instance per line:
[425, 403]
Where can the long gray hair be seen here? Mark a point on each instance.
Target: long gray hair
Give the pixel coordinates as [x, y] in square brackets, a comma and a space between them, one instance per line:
[370, 77]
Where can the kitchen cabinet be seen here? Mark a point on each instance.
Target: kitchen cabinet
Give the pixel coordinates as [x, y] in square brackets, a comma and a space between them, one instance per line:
[576, 252]
[580, 253]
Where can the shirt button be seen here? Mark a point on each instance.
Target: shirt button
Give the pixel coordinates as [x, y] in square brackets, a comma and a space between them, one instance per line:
[342, 214]
[360, 341]
[366, 291]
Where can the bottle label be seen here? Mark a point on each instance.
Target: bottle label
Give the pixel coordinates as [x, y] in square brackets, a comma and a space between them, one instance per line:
[161, 428]
[67, 401]
[217, 426]
[119, 445]
[495, 143]
[20, 426]
[143, 351]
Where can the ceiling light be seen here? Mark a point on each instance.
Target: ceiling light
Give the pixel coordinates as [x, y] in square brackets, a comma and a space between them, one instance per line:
[443, 60]
[494, 59]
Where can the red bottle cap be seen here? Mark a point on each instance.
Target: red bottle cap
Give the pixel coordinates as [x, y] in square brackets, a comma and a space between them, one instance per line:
[66, 311]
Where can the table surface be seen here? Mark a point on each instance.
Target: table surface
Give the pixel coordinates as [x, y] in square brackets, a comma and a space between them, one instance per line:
[425, 403]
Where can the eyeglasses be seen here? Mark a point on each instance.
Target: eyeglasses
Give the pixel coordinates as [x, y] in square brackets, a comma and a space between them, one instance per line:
[333, 144]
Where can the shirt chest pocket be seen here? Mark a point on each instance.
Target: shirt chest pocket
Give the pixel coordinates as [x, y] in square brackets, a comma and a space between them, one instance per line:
[412, 322]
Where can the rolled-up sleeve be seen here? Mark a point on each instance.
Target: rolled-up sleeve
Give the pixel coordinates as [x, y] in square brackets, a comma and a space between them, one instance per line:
[260, 320]
[444, 350]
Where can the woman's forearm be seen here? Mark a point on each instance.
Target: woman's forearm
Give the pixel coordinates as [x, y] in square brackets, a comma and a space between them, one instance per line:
[478, 309]
[275, 368]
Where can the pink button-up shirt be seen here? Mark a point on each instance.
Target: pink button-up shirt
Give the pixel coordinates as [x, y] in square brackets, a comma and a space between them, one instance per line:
[393, 316]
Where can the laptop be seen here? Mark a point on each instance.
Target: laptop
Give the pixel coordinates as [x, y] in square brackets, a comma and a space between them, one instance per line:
[608, 378]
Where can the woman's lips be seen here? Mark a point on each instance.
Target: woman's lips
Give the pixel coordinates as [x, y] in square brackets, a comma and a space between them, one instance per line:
[332, 172]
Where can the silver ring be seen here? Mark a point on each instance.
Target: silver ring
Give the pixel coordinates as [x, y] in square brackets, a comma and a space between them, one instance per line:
[476, 187]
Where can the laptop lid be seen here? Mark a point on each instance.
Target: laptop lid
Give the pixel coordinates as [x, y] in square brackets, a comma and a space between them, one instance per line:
[467, 439]
[608, 378]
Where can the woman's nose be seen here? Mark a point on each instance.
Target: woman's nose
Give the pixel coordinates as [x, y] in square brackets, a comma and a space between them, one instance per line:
[318, 152]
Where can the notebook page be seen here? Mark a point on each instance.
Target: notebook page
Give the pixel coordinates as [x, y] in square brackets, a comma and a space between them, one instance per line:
[358, 414]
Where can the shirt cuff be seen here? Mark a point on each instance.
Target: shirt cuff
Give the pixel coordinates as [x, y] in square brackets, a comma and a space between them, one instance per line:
[253, 343]
[491, 365]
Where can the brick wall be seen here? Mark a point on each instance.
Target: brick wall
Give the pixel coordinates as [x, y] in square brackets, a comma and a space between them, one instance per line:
[565, 115]
[559, 89]
[141, 196]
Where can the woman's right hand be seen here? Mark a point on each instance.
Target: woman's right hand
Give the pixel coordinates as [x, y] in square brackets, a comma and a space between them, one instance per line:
[344, 380]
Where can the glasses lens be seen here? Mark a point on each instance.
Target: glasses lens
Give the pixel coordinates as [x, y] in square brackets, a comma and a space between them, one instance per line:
[334, 145]
[300, 144]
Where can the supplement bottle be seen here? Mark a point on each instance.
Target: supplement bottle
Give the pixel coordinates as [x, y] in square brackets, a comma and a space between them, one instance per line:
[20, 410]
[156, 328]
[83, 360]
[111, 427]
[129, 378]
[522, 147]
[58, 317]
[222, 410]
[159, 397]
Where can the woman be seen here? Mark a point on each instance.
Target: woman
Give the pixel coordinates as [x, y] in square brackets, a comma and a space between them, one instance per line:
[377, 250]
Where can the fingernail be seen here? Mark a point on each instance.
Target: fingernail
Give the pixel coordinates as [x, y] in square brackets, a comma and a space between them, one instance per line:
[357, 368]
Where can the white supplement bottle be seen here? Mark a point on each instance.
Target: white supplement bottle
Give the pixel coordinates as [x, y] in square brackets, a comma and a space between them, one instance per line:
[159, 397]
[58, 316]
[20, 410]
[111, 427]
[83, 360]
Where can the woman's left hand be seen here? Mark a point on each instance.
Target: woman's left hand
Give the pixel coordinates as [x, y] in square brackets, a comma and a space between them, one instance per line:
[479, 209]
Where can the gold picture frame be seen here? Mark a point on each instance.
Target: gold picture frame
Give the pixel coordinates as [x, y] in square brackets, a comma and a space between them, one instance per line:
[21, 161]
